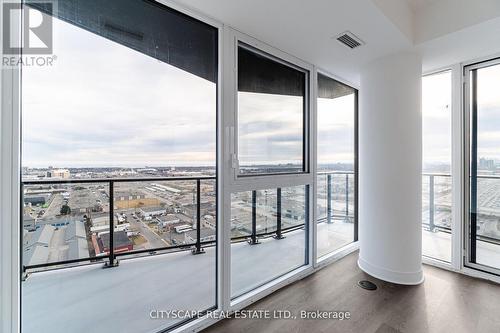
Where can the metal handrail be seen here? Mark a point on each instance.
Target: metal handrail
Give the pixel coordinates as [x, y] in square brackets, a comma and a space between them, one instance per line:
[449, 175]
[437, 174]
[112, 256]
[322, 173]
[115, 180]
[432, 225]
[195, 247]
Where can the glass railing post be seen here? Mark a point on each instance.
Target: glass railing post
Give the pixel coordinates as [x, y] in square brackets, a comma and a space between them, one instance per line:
[347, 197]
[112, 259]
[431, 203]
[253, 238]
[278, 235]
[24, 274]
[329, 198]
[198, 249]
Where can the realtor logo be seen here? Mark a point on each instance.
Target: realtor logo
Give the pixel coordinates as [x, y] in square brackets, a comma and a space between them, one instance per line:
[36, 25]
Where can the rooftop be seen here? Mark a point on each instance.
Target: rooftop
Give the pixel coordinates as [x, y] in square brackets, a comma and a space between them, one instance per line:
[152, 209]
[120, 240]
[48, 243]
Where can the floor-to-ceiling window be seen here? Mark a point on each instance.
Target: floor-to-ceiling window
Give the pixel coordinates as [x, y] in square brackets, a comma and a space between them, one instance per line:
[269, 224]
[336, 155]
[436, 166]
[483, 176]
[119, 169]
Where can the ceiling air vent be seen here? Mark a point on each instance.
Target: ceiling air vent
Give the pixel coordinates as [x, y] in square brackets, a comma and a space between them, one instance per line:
[349, 39]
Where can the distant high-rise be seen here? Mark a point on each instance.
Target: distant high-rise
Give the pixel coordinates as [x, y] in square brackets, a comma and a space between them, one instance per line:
[486, 164]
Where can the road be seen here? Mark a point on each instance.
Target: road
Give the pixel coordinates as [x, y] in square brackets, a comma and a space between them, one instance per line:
[153, 239]
[54, 207]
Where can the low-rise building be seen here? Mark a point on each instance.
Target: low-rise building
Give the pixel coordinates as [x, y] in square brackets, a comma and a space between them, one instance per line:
[152, 211]
[35, 200]
[43, 243]
[121, 242]
[206, 235]
[29, 222]
[58, 173]
[164, 221]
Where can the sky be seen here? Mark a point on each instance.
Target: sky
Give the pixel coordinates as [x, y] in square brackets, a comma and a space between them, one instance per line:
[488, 109]
[336, 130]
[436, 118]
[436, 111]
[270, 128]
[103, 105]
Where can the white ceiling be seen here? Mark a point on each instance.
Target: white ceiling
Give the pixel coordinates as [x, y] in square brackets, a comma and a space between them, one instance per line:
[305, 29]
[443, 30]
[416, 4]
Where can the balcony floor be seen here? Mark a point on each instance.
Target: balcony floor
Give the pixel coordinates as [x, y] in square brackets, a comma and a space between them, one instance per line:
[438, 245]
[332, 236]
[120, 299]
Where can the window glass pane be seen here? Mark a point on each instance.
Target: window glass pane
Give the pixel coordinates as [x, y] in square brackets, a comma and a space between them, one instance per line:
[110, 101]
[436, 178]
[269, 236]
[271, 109]
[131, 96]
[487, 194]
[336, 154]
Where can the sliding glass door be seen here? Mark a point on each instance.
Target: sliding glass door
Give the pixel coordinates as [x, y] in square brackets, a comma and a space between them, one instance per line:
[483, 167]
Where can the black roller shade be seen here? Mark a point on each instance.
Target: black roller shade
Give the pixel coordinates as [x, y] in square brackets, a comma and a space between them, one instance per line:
[147, 27]
[330, 88]
[261, 74]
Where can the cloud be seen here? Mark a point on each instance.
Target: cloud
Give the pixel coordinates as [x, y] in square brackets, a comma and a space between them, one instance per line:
[336, 130]
[103, 104]
[436, 118]
[270, 128]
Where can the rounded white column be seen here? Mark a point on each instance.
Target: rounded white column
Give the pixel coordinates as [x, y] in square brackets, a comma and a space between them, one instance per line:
[390, 166]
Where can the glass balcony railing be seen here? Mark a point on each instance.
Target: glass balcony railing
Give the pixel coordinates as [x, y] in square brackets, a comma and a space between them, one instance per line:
[336, 210]
[273, 223]
[263, 214]
[68, 222]
[437, 214]
[436, 202]
[336, 196]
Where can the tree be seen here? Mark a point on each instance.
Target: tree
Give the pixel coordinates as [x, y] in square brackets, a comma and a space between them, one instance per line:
[65, 210]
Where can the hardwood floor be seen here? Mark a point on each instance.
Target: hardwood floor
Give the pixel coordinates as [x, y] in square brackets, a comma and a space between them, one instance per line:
[445, 302]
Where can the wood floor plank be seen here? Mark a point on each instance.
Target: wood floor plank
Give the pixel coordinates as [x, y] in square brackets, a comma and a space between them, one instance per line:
[445, 302]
